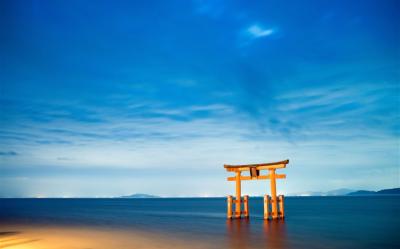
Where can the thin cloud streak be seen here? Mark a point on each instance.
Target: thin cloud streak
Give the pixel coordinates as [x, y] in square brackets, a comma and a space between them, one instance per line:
[257, 32]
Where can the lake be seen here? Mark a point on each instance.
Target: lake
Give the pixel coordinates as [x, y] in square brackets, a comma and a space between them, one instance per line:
[311, 222]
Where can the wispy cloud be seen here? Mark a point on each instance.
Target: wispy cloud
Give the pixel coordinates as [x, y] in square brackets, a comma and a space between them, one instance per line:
[352, 112]
[252, 33]
[8, 153]
[257, 31]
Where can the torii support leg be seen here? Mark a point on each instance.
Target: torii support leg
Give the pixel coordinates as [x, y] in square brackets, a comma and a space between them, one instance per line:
[238, 201]
[266, 207]
[229, 207]
[246, 206]
[281, 207]
[274, 203]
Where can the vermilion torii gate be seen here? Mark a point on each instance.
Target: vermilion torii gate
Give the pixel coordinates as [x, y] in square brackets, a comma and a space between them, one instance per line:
[254, 170]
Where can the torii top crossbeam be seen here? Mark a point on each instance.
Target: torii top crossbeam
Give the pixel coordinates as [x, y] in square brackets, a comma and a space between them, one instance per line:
[260, 166]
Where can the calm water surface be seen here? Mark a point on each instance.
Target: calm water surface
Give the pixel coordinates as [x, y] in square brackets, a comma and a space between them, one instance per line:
[311, 222]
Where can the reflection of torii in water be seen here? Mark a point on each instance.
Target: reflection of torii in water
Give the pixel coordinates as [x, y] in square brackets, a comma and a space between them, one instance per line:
[254, 170]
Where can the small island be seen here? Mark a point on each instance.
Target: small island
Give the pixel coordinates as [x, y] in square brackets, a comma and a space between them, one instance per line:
[139, 195]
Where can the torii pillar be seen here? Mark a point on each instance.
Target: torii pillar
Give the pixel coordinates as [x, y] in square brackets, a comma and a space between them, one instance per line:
[254, 169]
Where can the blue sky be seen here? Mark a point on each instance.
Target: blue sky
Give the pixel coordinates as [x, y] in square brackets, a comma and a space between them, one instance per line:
[108, 98]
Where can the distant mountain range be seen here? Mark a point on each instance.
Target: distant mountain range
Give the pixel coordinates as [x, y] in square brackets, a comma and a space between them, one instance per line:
[391, 191]
[139, 196]
[345, 191]
[336, 192]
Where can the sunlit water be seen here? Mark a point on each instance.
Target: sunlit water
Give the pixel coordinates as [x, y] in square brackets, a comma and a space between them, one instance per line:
[311, 222]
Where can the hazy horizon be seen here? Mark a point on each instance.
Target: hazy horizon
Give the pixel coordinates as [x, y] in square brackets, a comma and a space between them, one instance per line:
[111, 99]
[313, 193]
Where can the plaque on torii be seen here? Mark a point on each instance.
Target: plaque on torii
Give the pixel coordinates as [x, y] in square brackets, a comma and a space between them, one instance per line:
[273, 206]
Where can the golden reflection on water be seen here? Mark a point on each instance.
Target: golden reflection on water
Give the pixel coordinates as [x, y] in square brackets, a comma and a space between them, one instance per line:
[238, 231]
[272, 235]
[275, 234]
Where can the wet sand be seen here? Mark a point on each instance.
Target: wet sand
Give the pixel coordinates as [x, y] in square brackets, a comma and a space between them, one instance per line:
[58, 237]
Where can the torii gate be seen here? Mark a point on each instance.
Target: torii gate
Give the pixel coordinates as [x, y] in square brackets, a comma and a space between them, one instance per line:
[254, 170]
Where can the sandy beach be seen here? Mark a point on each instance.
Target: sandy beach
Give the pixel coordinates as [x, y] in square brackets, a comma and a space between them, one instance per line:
[71, 237]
